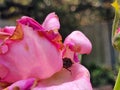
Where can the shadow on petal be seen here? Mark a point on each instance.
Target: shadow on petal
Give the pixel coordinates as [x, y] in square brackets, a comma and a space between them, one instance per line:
[77, 79]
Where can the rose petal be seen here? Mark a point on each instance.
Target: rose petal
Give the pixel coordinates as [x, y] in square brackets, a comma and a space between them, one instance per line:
[51, 22]
[53, 37]
[9, 29]
[77, 79]
[49, 28]
[21, 85]
[32, 53]
[31, 23]
[18, 33]
[3, 49]
[6, 32]
[78, 42]
[76, 57]
[3, 71]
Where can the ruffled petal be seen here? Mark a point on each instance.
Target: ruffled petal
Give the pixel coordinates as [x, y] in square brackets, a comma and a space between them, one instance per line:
[30, 52]
[49, 28]
[5, 33]
[31, 23]
[77, 79]
[51, 22]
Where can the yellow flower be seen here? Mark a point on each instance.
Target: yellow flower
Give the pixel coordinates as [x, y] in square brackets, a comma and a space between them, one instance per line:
[116, 5]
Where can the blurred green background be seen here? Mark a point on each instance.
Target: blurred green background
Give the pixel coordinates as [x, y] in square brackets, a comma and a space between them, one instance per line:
[93, 17]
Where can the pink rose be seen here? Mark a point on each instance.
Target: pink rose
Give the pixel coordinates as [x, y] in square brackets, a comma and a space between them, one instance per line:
[32, 56]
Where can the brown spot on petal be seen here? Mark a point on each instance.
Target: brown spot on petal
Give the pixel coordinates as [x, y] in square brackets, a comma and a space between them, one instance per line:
[26, 47]
[16, 88]
[77, 49]
[18, 33]
[3, 36]
[55, 37]
[41, 34]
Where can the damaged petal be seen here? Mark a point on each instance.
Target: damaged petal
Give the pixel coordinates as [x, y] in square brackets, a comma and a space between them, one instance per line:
[55, 38]
[18, 33]
[25, 20]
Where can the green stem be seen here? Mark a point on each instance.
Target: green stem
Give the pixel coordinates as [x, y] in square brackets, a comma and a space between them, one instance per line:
[115, 23]
[115, 37]
[117, 84]
[116, 19]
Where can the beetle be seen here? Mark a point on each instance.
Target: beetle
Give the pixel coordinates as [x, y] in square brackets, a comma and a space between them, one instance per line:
[67, 63]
